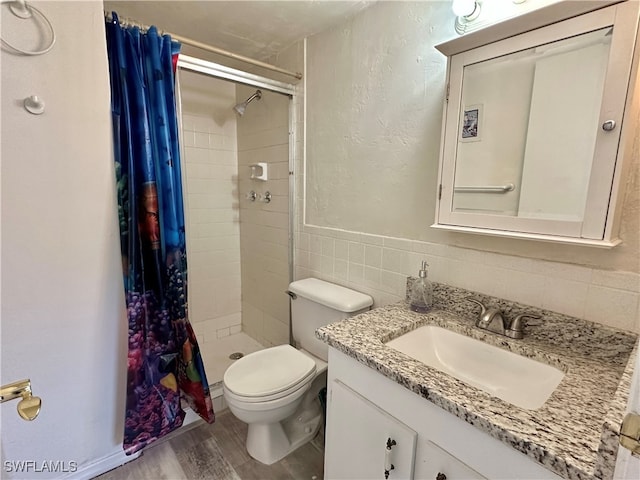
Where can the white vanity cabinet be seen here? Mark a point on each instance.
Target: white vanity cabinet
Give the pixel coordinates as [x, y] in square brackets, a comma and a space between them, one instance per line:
[539, 125]
[370, 443]
[365, 409]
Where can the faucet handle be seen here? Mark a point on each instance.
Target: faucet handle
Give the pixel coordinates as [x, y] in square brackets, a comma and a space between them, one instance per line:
[475, 300]
[516, 329]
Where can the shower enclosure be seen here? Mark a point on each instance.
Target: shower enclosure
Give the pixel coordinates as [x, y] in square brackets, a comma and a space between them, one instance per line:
[238, 244]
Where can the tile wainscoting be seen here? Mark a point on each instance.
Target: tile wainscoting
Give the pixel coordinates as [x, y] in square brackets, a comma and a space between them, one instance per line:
[378, 265]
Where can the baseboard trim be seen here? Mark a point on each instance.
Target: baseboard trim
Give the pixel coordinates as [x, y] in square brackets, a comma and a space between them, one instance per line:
[118, 457]
[101, 465]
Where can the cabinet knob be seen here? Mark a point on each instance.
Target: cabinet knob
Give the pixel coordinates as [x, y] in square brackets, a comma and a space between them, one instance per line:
[441, 476]
[609, 125]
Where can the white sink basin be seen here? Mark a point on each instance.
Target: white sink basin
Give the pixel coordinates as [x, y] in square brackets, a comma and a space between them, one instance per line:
[521, 381]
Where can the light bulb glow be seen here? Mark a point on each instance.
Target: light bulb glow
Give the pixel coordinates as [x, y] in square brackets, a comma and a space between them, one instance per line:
[463, 8]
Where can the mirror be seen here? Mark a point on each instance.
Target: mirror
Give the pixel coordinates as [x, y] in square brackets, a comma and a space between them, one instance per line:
[533, 128]
[527, 129]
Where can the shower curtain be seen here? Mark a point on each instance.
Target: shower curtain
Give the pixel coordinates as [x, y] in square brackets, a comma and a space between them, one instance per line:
[164, 362]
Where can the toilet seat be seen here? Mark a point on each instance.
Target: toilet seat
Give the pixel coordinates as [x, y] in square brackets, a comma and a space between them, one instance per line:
[269, 374]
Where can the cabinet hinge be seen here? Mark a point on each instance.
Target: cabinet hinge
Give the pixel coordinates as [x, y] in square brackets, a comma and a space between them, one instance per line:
[440, 192]
[447, 96]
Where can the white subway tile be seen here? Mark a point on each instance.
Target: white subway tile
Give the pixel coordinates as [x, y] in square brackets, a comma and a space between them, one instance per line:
[196, 155]
[429, 248]
[562, 270]
[397, 243]
[371, 239]
[201, 124]
[327, 265]
[520, 264]
[613, 307]
[527, 288]
[341, 269]
[394, 260]
[356, 253]
[565, 296]
[341, 249]
[315, 262]
[300, 273]
[349, 236]
[188, 122]
[275, 331]
[201, 140]
[372, 256]
[414, 262]
[356, 273]
[629, 281]
[315, 244]
[189, 139]
[392, 282]
[328, 247]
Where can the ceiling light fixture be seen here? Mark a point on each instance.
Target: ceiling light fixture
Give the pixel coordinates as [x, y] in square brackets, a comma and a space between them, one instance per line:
[466, 11]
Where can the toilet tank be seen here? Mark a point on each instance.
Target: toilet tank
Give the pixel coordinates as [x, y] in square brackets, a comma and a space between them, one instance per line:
[318, 303]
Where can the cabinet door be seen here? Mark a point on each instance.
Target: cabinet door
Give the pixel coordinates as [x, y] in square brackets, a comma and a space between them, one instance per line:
[532, 130]
[356, 439]
[434, 463]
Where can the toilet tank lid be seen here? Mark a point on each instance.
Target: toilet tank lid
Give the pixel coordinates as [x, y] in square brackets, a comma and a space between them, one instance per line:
[331, 295]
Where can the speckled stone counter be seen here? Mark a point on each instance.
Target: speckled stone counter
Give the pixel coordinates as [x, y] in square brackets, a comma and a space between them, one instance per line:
[574, 434]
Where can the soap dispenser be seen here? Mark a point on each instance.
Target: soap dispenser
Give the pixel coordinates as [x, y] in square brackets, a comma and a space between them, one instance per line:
[421, 292]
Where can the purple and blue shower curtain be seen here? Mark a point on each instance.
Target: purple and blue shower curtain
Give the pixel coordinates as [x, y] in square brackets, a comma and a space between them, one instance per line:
[164, 362]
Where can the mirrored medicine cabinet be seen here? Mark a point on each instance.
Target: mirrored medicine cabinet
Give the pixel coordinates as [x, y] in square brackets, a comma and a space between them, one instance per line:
[536, 126]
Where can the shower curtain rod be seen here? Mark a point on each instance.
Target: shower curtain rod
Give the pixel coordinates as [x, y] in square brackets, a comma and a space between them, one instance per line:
[203, 46]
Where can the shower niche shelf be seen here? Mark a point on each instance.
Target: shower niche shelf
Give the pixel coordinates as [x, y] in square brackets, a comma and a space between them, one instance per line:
[259, 171]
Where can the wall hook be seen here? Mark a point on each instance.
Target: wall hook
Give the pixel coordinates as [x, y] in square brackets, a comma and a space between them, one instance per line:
[19, 9]
[34, 104]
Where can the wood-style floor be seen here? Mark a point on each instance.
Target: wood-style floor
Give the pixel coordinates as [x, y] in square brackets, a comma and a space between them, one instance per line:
[217, 452]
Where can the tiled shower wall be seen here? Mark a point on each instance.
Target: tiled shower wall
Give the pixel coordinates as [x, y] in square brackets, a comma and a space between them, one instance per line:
[263, 136]
[211, 207]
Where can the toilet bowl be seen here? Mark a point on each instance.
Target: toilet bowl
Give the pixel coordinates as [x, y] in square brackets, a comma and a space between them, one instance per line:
[276, 390]
[270, 390]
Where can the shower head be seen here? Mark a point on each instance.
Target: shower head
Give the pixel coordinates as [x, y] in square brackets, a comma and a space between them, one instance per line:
[240, 108]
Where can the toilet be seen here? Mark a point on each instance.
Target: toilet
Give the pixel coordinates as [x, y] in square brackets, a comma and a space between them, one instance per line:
[275, 390]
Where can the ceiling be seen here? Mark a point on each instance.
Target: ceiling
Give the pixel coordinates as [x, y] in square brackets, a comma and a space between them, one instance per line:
[256, 29]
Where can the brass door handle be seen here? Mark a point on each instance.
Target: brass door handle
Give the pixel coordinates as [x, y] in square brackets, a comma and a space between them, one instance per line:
[29, 405]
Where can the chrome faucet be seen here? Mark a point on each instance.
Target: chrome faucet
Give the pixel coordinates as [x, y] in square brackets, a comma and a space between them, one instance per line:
[492, 319]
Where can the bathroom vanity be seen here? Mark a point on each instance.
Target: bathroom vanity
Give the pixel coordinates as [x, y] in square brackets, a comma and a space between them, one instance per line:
[385, 408]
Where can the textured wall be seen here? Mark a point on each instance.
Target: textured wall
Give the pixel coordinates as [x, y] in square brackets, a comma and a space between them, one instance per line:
[63, 314]
[375, 88]
[374, 108]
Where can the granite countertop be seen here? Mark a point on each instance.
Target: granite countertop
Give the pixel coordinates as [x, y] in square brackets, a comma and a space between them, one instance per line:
[574, 434]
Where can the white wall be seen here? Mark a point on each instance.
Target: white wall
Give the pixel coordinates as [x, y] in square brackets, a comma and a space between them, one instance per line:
[374, 106]
[212, 207]
[63, 315]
